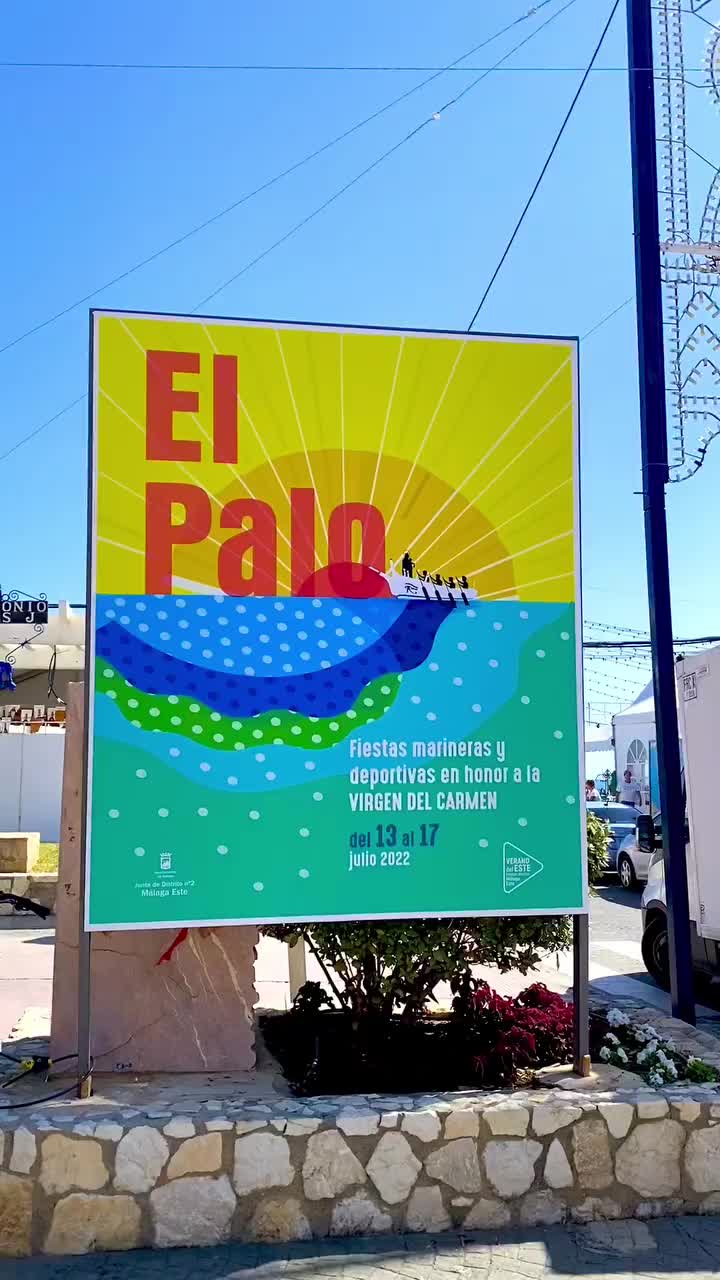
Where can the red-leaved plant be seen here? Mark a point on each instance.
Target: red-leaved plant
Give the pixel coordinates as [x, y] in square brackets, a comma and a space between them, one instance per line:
[505, 1036]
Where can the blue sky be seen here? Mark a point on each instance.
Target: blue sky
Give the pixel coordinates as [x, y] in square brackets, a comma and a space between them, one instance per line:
[103, 167]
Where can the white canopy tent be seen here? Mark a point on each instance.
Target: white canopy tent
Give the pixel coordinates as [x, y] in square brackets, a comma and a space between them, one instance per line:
[599, 757]
[633, 733]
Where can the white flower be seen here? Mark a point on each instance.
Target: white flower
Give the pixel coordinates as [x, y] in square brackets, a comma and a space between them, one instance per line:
[611, 1039]
[622, 1055]
[642, 1056]
[692, 1059]
[616, 1018]
[652, 1046]
[645, 1033]
[655, 1079]
[605, 1054]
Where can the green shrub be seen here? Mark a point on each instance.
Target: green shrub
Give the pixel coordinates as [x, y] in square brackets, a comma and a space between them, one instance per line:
[700, 1072]
[392, 965]
[598, 842]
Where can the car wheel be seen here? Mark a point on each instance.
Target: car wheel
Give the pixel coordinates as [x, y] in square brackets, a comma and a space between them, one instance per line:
[655, 951]
[626, 872]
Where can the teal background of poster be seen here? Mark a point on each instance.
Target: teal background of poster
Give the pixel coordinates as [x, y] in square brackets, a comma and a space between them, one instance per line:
[242, 815]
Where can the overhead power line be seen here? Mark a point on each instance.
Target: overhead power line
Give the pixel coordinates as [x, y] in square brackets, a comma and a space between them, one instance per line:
[686, 145]
[36, 430]
[645, 644]
[271, 182]
[546, 166]
[610, 316]
[49, 421]
[429, 120]
[702, 18]
[310, 68]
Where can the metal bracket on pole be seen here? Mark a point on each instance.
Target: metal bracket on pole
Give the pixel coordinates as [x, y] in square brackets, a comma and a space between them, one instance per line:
[581, 995]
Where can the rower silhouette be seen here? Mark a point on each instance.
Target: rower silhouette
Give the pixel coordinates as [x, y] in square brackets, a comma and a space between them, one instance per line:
[408, 565]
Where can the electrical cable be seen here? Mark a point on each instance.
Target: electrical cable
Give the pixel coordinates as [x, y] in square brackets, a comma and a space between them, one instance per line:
[695, 14]
[613, 626]
[49, 1097]
[311, 68]
[596, 658]
[50, 1062]
[687, 147]
[545, 167]
[36, 430]
[600, 673]
[429, 120]
[265, 186]
[31, 434]
[610, 315]
[612, 695]
[51, 673]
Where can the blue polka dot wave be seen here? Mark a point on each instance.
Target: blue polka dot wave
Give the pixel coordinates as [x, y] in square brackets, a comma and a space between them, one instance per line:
[272, 636]
[400, 646]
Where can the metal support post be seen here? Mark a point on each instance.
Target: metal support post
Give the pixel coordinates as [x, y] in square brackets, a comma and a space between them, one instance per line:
[297, 967]
[84, 1060]
[581, 1001]
[653, 429]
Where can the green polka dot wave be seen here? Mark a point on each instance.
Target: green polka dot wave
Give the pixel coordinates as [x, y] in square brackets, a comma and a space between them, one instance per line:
[180, 715]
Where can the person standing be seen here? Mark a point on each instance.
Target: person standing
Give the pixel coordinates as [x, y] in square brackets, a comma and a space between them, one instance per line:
[629, 791]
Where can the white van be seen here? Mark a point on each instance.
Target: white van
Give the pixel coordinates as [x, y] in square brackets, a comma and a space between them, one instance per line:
[698, 684]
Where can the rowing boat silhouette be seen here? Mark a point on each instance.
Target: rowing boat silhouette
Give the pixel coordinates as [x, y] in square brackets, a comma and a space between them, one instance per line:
[407, 587]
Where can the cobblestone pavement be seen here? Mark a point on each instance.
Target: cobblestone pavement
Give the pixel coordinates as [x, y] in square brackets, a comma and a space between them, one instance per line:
[681, 1248]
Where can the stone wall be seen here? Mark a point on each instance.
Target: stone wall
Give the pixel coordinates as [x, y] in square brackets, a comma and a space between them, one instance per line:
[293, 1169]
[19, 851]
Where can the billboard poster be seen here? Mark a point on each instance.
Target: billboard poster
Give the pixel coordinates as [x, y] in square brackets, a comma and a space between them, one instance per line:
[334, 631]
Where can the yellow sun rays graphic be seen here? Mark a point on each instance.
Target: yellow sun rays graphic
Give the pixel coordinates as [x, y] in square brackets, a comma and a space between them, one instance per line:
[464, 444]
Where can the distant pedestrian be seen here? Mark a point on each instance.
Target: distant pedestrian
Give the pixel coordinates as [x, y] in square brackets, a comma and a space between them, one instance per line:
[591, 791]
[629, 791]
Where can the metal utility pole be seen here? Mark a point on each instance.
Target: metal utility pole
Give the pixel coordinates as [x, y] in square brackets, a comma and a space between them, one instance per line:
[653, 429]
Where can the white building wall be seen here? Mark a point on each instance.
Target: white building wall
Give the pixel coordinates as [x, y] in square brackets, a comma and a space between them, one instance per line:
[31, 768]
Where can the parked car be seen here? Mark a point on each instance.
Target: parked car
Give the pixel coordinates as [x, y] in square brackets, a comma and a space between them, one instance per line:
[633, 861]
[621, 819]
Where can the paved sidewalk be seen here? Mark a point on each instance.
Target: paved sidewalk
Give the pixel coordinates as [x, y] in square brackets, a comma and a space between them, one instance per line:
[681, 1248]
